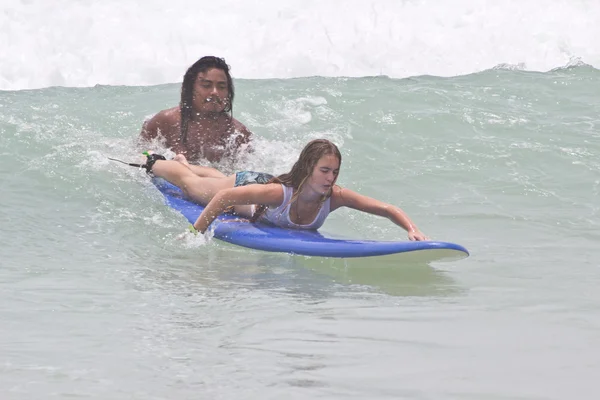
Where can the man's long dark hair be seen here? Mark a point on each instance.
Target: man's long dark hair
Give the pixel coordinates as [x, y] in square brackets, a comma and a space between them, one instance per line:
[186, 106]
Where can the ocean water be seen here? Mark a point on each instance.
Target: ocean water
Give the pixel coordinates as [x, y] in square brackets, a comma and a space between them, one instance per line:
[480, 120]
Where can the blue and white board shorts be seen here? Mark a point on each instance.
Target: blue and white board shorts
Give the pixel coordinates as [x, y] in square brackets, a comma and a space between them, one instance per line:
[244, 178]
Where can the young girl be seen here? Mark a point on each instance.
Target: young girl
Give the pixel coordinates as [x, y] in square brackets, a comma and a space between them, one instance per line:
[299, 199]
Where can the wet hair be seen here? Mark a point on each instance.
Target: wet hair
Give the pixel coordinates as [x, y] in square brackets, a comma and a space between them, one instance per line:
[303, 169]
[186, 105]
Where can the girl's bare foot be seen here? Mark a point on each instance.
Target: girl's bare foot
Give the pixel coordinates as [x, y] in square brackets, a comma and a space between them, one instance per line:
[181, 158]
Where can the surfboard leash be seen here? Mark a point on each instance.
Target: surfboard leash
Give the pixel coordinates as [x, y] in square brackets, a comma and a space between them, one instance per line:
[152, 158]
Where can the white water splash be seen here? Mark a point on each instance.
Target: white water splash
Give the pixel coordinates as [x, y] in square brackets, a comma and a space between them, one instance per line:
[129, 42]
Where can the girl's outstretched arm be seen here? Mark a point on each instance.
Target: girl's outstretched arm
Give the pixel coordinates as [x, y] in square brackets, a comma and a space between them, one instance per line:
[342, 197]
[268, 194]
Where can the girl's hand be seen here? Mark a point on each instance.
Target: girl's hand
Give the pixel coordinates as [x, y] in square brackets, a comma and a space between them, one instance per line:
[417, 235]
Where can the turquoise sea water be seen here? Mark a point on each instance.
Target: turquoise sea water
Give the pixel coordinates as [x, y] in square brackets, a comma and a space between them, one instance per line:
[100, 299]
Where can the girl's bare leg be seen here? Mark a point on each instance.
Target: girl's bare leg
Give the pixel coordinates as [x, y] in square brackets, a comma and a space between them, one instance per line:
[199, 189]
[206, 172]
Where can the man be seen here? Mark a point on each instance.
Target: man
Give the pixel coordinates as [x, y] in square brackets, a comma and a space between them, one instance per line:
[202, 125]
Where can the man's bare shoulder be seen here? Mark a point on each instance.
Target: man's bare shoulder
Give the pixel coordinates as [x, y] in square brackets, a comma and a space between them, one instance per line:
[164, 123]
[241, 128]
[168, 117]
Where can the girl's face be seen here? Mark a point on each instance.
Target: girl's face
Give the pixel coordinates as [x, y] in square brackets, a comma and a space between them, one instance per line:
[211, 91]
[324, 174]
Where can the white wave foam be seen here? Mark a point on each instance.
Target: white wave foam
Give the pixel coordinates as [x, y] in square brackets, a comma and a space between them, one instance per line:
[129, 42]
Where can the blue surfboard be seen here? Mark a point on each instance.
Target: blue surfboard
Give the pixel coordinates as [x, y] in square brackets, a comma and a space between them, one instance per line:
[265, 237]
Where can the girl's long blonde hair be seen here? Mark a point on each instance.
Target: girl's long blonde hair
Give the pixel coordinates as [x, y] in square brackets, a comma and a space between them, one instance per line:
[302, 170]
